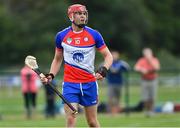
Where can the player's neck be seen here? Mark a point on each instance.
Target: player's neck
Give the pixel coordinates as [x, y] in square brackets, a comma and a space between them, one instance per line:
[76, 28]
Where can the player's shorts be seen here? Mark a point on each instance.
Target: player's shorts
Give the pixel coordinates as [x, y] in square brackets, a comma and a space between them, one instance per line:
[114, 93]
[85, 94]
[149, 89]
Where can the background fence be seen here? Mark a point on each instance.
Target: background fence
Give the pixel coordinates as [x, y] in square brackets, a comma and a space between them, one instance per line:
[167, 77]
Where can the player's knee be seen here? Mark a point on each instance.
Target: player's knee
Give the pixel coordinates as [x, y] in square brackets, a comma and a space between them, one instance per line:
[71, 119]
[93, 123]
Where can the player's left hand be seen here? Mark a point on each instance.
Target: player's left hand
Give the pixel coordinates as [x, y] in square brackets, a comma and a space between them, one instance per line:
[101, 73]
[98, 76]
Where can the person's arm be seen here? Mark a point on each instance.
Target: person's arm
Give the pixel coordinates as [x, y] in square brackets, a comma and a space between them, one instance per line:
[56, 63]
[139, 68]
[154, 63]
[55, 66]
[125, 66]
[108, 59]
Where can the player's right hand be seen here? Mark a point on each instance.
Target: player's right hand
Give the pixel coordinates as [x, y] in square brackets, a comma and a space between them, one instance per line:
[47, 78]
[44, 80]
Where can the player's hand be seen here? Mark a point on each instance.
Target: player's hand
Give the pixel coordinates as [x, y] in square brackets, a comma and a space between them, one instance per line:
[98, 76]
[48, 78]
[101, 73]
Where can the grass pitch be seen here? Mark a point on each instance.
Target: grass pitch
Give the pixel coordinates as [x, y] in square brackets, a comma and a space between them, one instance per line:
[12, 111]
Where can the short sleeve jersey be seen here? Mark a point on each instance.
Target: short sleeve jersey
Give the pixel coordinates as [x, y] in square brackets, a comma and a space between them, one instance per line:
[79, 53]
[144, 64]
[29, 79]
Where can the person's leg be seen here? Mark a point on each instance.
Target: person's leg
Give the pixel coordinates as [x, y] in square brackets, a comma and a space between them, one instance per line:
[26, 101]
[51, 105]
[117, 98]
[70, 118]
[110, 98]
[89, 99]
[144, 94]
[27, 104]
[150, 105]
[71, 92]
[152, 95]
[33, 99]
[114, 99]
[91, 116]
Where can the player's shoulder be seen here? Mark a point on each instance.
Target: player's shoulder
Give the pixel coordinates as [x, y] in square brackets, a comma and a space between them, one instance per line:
[64, 31]
[91, 30]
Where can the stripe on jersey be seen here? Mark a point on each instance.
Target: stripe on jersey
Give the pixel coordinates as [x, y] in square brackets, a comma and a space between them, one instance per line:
[102, 47]
[80, 68]
[76, 75]
[79, 46]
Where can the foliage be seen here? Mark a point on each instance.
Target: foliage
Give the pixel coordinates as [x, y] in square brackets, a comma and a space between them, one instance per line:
[29, 27]
[168, 61]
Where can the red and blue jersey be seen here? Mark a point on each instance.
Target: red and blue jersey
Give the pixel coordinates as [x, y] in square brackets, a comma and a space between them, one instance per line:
[79, 53]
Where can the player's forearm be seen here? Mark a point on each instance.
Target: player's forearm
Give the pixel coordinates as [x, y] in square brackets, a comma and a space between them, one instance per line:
[108, 59]
[56, 63]
[55, 66]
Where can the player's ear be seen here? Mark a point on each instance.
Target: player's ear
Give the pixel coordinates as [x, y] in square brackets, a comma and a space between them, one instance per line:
[71, 17]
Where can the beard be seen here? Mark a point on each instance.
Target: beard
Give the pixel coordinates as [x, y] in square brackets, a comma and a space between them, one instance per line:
[80, 25]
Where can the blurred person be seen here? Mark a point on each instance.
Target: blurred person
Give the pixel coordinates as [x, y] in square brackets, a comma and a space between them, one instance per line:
[115, 82]
[29, 89]
[147, 66]
[76, 44]
[50, 101]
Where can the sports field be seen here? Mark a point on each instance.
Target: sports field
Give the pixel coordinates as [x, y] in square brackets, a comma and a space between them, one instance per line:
[11, 109]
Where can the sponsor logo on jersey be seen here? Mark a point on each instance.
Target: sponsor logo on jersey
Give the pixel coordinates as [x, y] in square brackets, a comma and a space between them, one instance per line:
[78, 56]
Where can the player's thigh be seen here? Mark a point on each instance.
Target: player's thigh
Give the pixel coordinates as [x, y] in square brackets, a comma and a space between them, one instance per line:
[89, 94]
[71, 92]
[91, 112]
[68, 111]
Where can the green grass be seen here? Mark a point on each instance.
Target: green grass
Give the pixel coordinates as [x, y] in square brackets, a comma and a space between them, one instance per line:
[133, 120]
[12, 110]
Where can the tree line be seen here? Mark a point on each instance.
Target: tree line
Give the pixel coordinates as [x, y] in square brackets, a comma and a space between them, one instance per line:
[29, 27]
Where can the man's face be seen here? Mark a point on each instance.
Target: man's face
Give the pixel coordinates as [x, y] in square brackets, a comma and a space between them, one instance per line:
[147, 53]
[80, 17]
